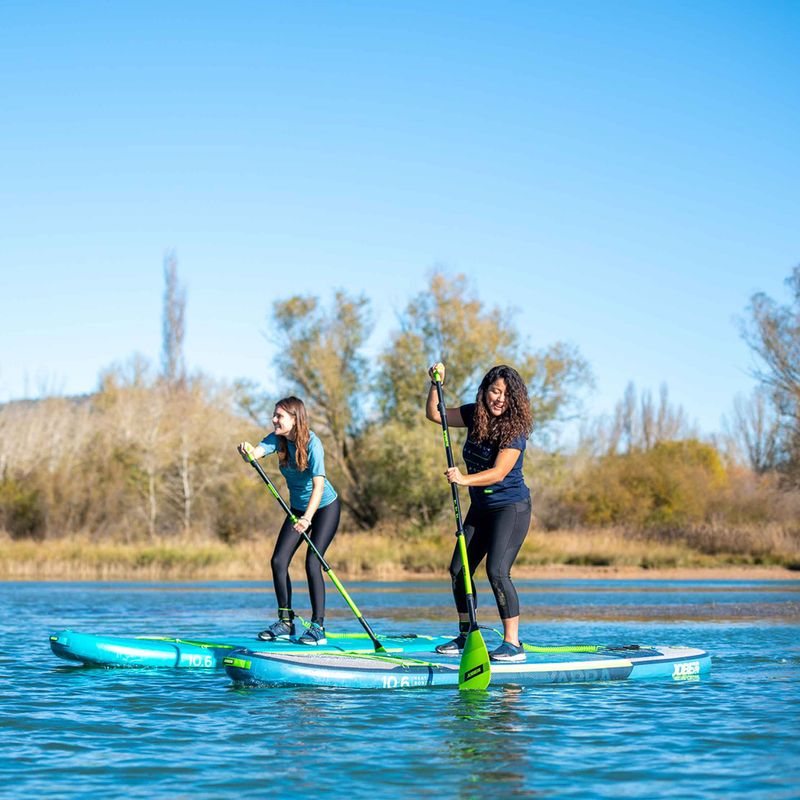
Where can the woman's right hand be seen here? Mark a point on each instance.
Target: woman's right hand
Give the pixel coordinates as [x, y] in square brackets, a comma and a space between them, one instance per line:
[246, 451]
[437, 367]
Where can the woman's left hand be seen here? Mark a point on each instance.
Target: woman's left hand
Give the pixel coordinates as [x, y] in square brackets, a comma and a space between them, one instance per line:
[454, 476]
[302, 525]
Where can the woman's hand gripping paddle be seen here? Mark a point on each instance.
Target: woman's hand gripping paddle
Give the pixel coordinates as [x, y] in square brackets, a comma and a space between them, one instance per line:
[474, 671]
[379, 648]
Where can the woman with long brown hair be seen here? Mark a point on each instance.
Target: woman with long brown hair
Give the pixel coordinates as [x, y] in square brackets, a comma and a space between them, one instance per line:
[301, 460]
[498, 425]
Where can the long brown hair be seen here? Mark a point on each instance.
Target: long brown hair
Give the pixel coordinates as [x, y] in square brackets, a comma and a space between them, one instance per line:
[514, 421]
[295, 407]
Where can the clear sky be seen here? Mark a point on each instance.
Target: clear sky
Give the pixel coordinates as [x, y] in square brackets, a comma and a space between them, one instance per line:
[624, 174]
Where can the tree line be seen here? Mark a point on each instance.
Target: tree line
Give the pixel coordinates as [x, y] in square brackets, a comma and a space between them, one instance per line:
[151, 453]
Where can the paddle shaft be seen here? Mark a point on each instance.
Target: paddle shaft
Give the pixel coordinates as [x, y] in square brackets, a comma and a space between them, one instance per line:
[379, 648]
[462, 543]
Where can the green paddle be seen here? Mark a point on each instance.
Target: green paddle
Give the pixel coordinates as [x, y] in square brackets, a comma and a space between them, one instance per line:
[474, 671]
[379, 648]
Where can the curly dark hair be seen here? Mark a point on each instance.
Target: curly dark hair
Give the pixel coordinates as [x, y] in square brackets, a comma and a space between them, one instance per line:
[516, 418]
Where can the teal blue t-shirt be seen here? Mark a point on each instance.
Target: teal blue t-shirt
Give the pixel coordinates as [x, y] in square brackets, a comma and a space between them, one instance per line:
[299, 483]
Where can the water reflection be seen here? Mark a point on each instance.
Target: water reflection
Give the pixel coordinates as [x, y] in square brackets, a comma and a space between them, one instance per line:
[487, 735]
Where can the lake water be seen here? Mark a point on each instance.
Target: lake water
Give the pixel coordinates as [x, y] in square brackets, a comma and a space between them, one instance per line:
[73, 731]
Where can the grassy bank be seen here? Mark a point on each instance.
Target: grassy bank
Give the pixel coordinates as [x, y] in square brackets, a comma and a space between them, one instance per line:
[382, 556]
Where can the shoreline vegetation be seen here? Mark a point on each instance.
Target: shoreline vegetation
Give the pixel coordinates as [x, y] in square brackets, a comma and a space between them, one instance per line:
[563, 554]
[140, 480]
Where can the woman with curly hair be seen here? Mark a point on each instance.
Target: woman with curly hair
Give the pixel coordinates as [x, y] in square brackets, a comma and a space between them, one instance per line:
[498, 425]
[301, 461]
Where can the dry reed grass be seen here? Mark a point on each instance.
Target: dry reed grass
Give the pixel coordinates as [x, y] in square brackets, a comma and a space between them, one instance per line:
[385, 555]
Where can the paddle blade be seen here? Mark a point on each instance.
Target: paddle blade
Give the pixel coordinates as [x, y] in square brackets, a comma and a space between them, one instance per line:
[474, 671]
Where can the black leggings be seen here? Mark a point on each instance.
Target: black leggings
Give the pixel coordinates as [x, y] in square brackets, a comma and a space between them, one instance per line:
[326, 521]
[496, 534]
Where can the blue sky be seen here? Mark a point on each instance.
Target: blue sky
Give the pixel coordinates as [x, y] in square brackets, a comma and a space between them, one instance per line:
[624, 175]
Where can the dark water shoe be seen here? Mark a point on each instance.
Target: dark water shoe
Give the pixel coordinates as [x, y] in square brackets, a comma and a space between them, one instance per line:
[278, 630]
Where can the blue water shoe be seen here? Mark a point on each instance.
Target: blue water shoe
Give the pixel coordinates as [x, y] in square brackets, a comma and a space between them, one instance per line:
[314, 635]
[508, 652]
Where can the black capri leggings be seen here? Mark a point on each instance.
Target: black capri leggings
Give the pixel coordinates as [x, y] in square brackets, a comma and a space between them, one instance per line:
[323, 529]
[496, 534]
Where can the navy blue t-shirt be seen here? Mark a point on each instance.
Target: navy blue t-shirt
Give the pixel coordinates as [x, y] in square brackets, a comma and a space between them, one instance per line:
[481, 456]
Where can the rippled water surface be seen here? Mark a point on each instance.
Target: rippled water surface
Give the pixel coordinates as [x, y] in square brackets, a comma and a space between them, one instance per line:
[72, 731]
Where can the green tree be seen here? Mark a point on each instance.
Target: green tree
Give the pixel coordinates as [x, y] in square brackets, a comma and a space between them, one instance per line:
[389, 465]
[320, 358]
[448, 322]
[403, 475]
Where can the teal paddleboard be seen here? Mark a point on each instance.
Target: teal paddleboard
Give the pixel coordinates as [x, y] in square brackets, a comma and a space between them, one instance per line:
[369, 671]
[165, 651]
